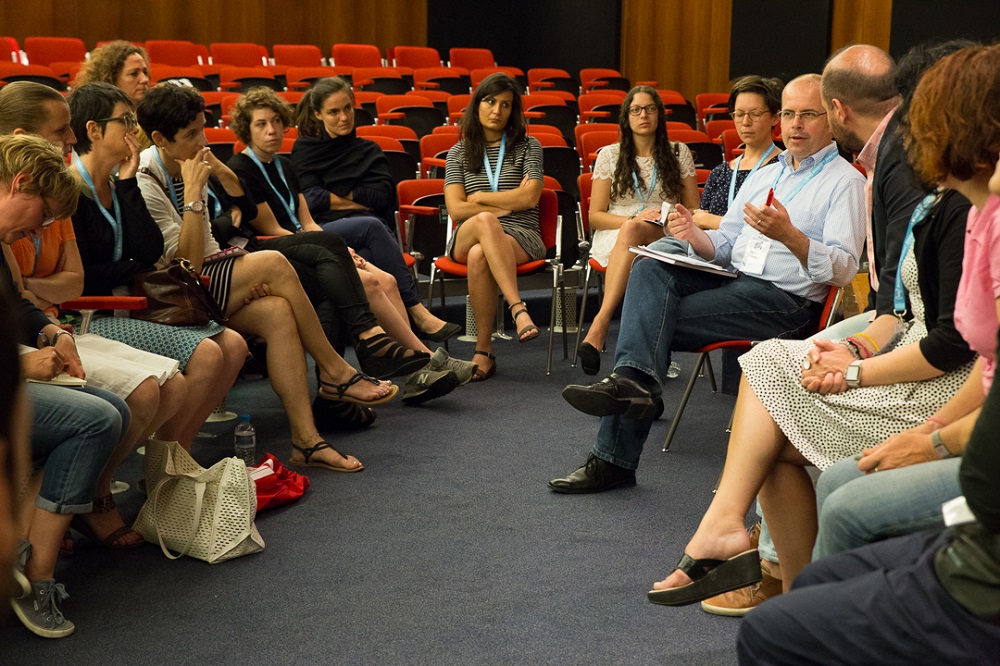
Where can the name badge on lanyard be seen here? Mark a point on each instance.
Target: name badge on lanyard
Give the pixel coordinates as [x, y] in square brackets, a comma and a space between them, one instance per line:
[739, 160]
[786, 199]
[491, 176]
[756, 255]
[648, 194]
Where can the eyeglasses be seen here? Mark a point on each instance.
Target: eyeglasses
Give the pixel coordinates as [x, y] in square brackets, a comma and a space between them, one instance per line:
[806, 116]
[48, 217]
[637, 110]
[755, 115]
[128, 120]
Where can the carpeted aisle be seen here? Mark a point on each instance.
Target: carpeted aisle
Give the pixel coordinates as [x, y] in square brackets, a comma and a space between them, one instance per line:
[447, 549]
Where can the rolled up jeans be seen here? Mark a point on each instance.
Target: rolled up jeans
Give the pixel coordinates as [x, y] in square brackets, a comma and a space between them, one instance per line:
[74, 432]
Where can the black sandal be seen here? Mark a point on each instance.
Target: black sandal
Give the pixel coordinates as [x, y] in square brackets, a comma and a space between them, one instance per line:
[332, 416]
[478, 375]
[590, 358]
[341, 390]
[709, 578]
[382, 357]
[531, 330]
[308, 451]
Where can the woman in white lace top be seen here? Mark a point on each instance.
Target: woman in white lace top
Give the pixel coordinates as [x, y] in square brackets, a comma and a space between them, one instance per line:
[631, 181]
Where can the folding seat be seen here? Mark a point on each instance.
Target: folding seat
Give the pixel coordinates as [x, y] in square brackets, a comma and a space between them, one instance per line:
[585, 128]
[433, 151]
[551, 110]
[176, 52]
[302, 78]
[560, 162]
[592, 142]
[418, 222]
[293, 97]
[416, 57]
[10, 44]
[221, 141]
[706, 154]
[678, 109]
[402, 166]
[380, 79]
[437, 97]
[470, 58]
[239, 54]
[705, 101]
[477, 75]
[543, 79]
[12, 71]
[447, 129]
[715, 128]
[456, 107]
[414, 111]
[602, 78]
[453, 80]
[731, 143]
[45, 50]
[286, 146]
[243, 78]
[356, 55]
[535, 130]
[297, 55]
[601, 106]
[405, 135]
[213, 106]
[192, 76]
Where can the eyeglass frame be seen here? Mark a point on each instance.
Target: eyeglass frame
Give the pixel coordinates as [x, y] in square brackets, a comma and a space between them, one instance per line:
[649, 109]
[128, 120]
[48, 217]
[787, 114]
[755, 114]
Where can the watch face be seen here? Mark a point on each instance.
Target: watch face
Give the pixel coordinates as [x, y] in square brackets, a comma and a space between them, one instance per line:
[196, 206]
[853, 373]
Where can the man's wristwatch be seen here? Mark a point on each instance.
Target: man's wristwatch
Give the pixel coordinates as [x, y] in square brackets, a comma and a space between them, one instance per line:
[852, 375]
[194, 207]
[939, 448]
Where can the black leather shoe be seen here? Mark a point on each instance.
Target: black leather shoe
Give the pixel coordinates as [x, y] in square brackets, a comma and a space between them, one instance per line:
[594, 477]
[612, 396]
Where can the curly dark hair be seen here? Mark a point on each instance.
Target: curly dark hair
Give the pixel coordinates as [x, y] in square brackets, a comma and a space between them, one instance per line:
[954, 117]
[668, 168]
[106, 63]
[253, 99]
[472, 130]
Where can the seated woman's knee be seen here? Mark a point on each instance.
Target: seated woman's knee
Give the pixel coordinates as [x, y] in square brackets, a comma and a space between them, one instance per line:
[386, 281]
[270, 266]
[476, 261]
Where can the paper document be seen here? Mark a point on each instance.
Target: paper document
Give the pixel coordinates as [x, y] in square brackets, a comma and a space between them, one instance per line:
[682, 260]
[62, 379]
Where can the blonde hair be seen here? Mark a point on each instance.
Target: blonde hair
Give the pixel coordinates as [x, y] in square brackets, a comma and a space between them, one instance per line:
[257, 98]
[50, 178]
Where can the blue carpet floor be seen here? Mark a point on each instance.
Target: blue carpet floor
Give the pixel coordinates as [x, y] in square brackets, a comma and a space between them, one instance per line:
[448, 549]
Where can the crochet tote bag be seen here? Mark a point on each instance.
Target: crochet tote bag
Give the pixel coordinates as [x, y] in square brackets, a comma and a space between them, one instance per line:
[204, 513]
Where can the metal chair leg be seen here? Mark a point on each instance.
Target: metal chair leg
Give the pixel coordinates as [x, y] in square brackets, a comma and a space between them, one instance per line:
[583, 311]
[711, 373]
[684, 400]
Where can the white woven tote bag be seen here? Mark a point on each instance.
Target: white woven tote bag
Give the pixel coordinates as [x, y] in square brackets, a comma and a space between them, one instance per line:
[204, 513]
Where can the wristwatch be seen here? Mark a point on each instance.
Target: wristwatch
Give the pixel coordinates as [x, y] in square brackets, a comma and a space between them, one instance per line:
[939, 448]
[194, 207]
[853, 375]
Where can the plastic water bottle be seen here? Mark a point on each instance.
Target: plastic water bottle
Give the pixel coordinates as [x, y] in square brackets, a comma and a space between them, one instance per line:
[245, 441]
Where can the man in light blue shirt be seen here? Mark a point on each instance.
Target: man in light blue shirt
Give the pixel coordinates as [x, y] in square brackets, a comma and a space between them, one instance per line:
[785, 253]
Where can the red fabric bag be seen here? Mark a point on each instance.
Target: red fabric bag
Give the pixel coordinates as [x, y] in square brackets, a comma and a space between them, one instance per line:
[276, 484]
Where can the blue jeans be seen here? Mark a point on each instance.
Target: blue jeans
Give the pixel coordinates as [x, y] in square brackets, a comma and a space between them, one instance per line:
[879, 604]
[856, 508]
[73, 433]
[671, 308]
[370, 239]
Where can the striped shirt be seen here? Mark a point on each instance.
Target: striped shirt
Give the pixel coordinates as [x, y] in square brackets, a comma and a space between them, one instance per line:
[523, 159]
[829, 210]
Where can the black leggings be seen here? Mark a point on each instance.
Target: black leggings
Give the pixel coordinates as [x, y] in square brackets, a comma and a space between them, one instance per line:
[327, 272]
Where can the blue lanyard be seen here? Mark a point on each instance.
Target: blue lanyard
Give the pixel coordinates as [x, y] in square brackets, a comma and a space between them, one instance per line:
[289, 204]
[832, 155]
[494, 178]
[38, 252]
[216, 206]
[919, 213]
[170, 181]
[116, 221]
[732, 181]
[638, 190]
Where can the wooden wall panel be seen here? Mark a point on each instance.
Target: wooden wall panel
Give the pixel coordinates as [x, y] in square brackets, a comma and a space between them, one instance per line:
[322, 22]
[860, 22]
[683, 45]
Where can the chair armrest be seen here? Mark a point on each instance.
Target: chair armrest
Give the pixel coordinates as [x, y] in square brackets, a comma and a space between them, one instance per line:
[587, 115]
[534, 114]
[428, 85]
[408, 210]
[391, 115]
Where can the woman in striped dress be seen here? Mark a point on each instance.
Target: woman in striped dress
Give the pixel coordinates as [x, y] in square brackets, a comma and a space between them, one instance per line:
[493, 181]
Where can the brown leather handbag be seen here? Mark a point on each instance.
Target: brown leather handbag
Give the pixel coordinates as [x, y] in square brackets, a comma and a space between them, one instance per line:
[176, 296]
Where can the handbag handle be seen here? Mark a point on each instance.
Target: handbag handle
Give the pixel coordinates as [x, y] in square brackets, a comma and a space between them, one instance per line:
[199, 496]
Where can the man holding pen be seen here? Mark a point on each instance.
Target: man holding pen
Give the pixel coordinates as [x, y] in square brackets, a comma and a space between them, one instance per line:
[795, 228]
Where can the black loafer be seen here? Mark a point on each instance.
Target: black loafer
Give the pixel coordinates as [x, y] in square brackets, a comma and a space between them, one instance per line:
[594, 477]
[590, 358]
[449, 330]
[613, 395]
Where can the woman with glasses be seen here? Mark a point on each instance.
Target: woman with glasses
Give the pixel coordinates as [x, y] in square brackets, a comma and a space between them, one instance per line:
[493, 181]
[754, 103]
[632, 180]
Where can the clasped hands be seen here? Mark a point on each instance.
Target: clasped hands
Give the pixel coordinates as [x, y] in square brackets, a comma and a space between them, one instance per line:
[824, 365]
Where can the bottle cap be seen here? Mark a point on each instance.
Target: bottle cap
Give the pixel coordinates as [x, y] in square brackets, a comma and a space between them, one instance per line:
[245, 418]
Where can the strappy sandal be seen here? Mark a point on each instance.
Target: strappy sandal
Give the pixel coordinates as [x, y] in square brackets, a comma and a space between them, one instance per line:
[341, 390]
[382, 357]
[330, 416]
[529, 332]
[478, 375]
[308, 451]
[710, 578]
[105, 504]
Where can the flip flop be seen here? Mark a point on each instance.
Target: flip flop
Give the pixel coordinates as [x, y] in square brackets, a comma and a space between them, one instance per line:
[342, 390]
[710, 578]
[308, 453]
